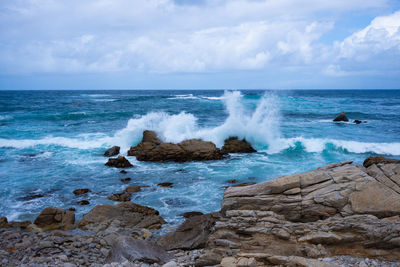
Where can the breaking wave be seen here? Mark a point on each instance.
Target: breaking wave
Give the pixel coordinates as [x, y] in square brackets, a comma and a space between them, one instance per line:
[259, 126]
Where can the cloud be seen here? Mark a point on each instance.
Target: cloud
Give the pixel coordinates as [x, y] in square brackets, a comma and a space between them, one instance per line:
[165, 36]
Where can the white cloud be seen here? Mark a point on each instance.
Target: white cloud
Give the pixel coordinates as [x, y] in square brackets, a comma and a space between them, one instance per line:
[161, 36]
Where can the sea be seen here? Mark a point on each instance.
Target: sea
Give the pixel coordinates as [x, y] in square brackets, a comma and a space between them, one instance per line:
[52, 142]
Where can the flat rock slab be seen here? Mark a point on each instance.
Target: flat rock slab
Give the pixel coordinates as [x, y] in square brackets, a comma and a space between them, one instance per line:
[126, 248]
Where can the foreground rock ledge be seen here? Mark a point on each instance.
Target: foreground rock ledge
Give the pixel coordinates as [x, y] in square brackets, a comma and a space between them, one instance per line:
[338, 209]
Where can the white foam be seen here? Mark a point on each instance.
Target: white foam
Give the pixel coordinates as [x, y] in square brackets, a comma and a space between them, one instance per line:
[188, 96]
[319, 145]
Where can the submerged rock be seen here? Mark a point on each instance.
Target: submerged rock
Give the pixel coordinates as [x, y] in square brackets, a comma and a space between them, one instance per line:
[133, 189]
[126, 215]
[31, 197]
[125, 179]
[120, 162]
[123, 171]
[81, 191]
[152, 149]
[54, 218]
[83, 202]
[168, 185]
[112, 151]
[341, 117]
[121, 197]
[233, 145]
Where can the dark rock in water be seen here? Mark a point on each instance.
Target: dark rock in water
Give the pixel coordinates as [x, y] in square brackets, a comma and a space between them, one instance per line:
[30, 197]
[169, 185]
[112, 151]
[83, 202]
[54, 218]
[120, 162]
[192, 234]
[243, 184]
[120, 197]
[233, 145]
[125, 179]
[378, 159]
[233, 181]
[152, 149]
[123, 171]
[191, 214]
[126, 215]
[357, 121]
[181, 170]
[72, 209]
[133, 189]
[342, 117]
[81, 191]
[126, 248]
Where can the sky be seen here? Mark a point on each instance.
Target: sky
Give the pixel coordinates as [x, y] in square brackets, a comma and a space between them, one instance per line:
[199, 44]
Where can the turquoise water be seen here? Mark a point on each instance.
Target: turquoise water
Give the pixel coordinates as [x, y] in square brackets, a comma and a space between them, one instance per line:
[51, 142]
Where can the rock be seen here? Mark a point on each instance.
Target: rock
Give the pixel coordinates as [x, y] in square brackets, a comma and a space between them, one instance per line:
[121, 197]
[125, 215]
[125, 179]
[83, 202]
[169, 185]
[243, 184]
[295, 219]
[357, 121]
[170, 264]
[112, 151]
[341, 117]
[192, 234]
[123, 171]
[30, 197]
[21, 225]
[4, 222]
[378, 159]
[233, 181]
[120, 162]
[54, 218]
[132, 189]
[126, 248]
[152, 149]
[233, 145]
[191, 214]
[81, 191]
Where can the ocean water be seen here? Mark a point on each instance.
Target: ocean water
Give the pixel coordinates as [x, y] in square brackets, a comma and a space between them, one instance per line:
[52, 142]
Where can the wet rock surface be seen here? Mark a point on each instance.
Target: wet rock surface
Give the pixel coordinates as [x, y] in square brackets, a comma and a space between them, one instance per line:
[341, 117]
[120, 162]
[54, 218]
[152, 149]
[234, 145]
[112, 151]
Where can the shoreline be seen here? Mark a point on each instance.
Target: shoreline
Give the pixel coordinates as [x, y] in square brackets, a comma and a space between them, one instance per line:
[302, 219]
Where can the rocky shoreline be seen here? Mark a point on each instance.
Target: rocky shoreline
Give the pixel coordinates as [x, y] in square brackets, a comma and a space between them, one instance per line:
[337, 215]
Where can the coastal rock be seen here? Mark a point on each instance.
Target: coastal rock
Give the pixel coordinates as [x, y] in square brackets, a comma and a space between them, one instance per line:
[83, 202]
[31, 197]
[341, 117]
[120, 162]
[192, 234]
[152, 149]
[338, 209]
[4, 222]
[233, 145]
[133, 189]
[126, 248]
[54, 218]
[125, 215]
[378, 159]
[191, 214]
[167, 184]
[81, 191]
[120, 197]
[125, 179]
[112, 151]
